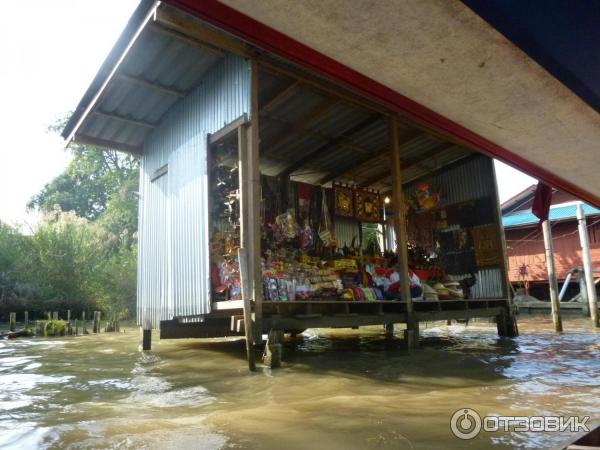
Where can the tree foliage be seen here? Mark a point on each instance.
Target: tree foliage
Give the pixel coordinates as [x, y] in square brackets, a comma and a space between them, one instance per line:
[82, 254]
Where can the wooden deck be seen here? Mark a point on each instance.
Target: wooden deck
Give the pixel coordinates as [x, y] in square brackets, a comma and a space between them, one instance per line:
[302, 314]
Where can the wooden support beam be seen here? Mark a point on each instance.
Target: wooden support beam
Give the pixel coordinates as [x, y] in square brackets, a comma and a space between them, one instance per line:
[228, 129]
[279, 97]
[175, 19]
[412, 333]
[133, 149]
[151, 85]
[161, 28]
[332, 144]
[292, 130]
[588, 268]
[124, 119]
[356, 164]
[511, 329]
[409, 164]
[254, 197]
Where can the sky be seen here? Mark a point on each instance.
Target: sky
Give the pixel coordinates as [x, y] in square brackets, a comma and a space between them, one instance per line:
[46, 67]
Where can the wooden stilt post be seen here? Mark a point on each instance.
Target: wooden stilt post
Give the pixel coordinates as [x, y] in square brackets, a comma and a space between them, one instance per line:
[26, 319]
[273, 349]
[147, 335]
[55, 315]
[389, 329]
[244, 276]
[83, 326]
[69, 325]
[507, 325]
[552, 276]
[412, 325]
[12, 321]
[588, 269]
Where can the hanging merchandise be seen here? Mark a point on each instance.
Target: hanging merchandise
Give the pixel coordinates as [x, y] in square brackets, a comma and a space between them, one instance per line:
[367, 206]
[343, 201]
[488, 246]
[326, 229]
[285, 227]
[426, 198]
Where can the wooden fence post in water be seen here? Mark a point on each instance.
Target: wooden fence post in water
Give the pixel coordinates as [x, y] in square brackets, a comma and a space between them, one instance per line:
[83, 327]
[26, 319]
[552, 276]
[244, 277]
[12, 321]
[76, 327]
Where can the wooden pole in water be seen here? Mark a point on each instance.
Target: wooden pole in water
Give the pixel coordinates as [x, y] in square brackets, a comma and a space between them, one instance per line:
[147, 335]
[553, 284]
[588, 269]
[55, 315]
[412, 325]
[244, 275]
[26, 319]
[12, 321]
[83, 327]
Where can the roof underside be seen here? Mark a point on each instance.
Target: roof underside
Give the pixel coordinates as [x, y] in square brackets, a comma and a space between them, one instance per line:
[309, 129]
[443, 56]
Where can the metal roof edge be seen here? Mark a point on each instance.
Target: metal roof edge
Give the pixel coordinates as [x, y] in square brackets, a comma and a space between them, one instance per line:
[134, 22]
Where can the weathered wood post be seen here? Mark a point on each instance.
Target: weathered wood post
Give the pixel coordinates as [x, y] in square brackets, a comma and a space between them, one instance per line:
[76, 327]
[69, 325]
[12, 321]
[96, 322]
[244, 274]
[55, 315]
[273, 349]
[26, 319]
[147, 335]
[83, 326]
[553, 284]
[49, 314]
[412, 323]
[588, 269]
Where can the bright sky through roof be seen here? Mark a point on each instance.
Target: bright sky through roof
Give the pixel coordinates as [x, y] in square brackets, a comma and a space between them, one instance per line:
[50, 54]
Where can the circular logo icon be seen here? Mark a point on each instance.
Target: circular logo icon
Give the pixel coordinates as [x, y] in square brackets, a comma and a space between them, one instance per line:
[465, 423]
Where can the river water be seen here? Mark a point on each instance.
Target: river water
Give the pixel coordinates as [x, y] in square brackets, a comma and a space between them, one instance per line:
[340, 389]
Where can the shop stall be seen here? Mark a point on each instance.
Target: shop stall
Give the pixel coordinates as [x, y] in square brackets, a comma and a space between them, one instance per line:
[273, 200]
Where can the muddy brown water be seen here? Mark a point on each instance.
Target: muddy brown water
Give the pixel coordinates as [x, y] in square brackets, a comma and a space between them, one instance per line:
[338, 389]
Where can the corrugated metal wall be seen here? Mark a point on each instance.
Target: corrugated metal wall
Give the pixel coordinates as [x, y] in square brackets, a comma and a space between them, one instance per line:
[173, 271]
[462, 182]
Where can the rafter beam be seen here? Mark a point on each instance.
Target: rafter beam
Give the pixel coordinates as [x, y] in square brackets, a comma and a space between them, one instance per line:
[333, 143]
[127, 148]
[279, 97]
[376, 154]
[151, 85]
[292, 130]
[129, 120]
[408, 165]
[175, 19]
[165, 30]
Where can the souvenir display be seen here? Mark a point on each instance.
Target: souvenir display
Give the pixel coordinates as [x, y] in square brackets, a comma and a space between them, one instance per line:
[343, 201]
[426, 198]
[367, 206]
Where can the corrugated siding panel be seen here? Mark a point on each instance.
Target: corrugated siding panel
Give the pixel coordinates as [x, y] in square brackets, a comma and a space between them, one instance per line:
[489, 284]
[462, 182]
[345, 230]
[173, 271]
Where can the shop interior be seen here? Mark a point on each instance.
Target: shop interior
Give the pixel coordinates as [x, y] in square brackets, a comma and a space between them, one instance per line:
[327, 207]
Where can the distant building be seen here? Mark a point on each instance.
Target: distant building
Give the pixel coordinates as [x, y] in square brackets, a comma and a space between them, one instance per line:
[525, 244]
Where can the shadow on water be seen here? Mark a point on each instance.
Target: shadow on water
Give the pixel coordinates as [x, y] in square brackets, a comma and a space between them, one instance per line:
[478, 354]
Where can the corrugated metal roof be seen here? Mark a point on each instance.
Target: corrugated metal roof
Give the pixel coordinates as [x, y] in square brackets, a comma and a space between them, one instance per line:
[522, 218]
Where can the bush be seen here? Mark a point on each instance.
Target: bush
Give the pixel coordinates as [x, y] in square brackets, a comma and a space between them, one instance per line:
[55, 328]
